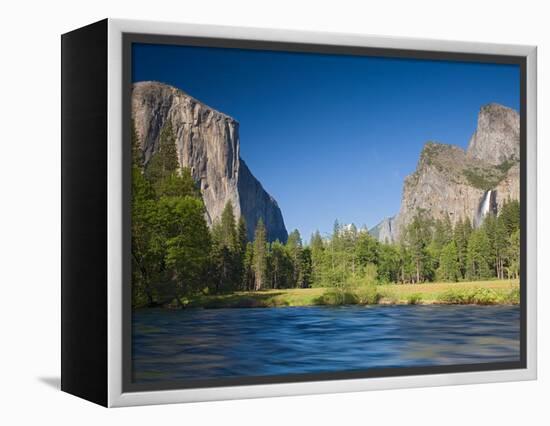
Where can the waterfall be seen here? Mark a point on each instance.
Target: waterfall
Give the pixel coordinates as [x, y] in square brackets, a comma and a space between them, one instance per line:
[487, 205]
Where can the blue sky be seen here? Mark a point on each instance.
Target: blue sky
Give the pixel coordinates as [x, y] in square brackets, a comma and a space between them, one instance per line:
[332, 136]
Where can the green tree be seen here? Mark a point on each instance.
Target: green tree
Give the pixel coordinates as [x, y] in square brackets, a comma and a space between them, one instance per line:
[307, 267]
[334, 274]
[348, 253]
[443, 232]
[498, 241]
[513, 254]
[388, 263]
[461, 235]
[479, 253]
[510, 216]
[242, 237]
[294, 249]
[448, 269]
[147, 252]
[137, 153]
[164, 161]
[187, 243]
[240, 252]
[406, 267]
[417, 237]
[260, 256]
[226, 258]
[367, 249]
[225, 231]
[317, 259]
[281, 270]
[507, 244]
[442, 235]
[177, 184]
[248, 268]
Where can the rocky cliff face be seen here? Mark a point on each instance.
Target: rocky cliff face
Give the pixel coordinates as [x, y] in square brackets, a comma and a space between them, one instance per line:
[383, 232]
[496, 138]
[207, 142]
[451, 181]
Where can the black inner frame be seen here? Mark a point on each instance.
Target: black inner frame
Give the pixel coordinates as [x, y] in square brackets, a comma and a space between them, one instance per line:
[129, 38]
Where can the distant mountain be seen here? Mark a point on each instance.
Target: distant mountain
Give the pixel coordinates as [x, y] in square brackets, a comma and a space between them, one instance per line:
[207, 142]
[454, 182]
[383, 232]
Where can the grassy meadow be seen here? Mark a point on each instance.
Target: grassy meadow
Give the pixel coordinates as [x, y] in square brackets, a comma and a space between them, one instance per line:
[469, 292]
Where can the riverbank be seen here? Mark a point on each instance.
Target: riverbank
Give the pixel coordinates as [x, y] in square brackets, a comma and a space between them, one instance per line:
[494, 292]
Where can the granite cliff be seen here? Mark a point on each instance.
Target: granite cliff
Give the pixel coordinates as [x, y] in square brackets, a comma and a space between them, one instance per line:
[207, 142]
[496, 138]
[384, 232]
[451, 181]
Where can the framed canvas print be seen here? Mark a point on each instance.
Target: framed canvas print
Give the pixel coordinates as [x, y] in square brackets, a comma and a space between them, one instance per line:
[251, 213]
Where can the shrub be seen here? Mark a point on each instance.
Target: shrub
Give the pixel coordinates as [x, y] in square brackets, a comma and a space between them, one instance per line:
[337, 297]
[414, 299]
[484, 296]
[368, 295]
[370, 273]
[454, 296]
[462, 296]
[363, 295]
[512, 297]
[389, 296]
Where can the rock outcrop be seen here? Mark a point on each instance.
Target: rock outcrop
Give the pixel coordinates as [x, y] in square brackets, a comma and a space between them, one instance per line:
[451, 181]
[383, 232]
[207, 142]
[496, 138]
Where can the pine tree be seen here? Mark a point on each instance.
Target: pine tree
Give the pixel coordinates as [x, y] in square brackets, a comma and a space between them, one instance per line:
[226, 253]
[164, 161]
[479, 253]
[137, 154]
[448, 263]
[442, 235]
[406, 267]
[147, 256]
[307, 268]
[242, 237]
[229, 228]
[317, 259]
[510, 216]
[443, 232]
[281, 270]
[260, 256]
[179, 184]
[513, 254]
[468, 228]
[336, 234]
[294, 250]
[417, 237]
[500, 247]
[388, 263]
[367, 249]
[489, 226]
[461, 247]
[335, 270]
[248, 268]
[187, 242]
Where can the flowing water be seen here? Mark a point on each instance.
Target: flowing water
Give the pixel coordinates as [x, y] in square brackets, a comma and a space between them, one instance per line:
[192, 344]
[487, 205]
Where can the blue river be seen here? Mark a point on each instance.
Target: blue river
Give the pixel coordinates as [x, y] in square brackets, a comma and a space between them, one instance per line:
[170, 345]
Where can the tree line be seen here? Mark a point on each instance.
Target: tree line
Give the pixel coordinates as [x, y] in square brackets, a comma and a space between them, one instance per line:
[429, 250]
[175, 254]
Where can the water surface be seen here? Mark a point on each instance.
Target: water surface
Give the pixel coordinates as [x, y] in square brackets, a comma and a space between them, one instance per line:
[171, 345]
